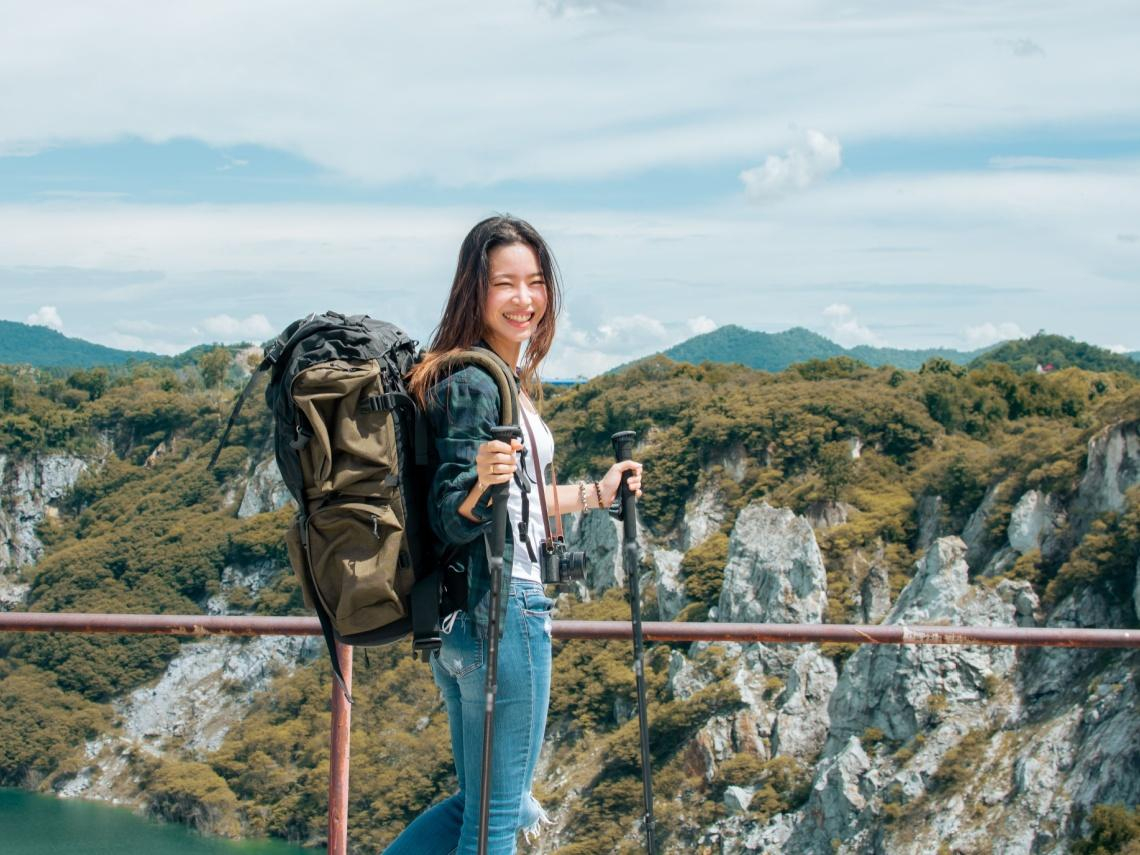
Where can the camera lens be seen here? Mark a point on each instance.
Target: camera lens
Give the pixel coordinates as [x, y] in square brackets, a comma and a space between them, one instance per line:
[574, 566]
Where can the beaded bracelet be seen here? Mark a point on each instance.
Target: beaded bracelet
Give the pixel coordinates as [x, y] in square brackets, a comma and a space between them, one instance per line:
[582, 496]
[598, 490]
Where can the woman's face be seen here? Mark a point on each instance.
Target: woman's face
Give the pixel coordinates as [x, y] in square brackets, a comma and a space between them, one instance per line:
[516, 298]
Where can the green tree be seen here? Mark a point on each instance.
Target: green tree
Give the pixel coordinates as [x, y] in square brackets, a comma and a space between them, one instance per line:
[93, 382]
[836, 468]
[214, 366]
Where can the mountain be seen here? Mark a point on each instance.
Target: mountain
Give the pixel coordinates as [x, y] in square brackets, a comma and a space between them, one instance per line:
[1024, 355]
[23, 344]
[776, 351]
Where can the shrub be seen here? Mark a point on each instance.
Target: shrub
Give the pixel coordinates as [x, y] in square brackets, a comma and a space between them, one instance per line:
[963, 761]
[1115, 828]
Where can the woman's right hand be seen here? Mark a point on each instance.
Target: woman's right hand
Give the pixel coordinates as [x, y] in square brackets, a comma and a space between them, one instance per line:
[495, 462]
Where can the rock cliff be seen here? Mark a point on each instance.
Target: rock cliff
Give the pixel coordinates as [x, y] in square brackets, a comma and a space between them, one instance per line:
[30, 488]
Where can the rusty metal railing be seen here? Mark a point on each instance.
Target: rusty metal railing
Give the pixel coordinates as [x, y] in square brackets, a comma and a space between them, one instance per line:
[249, 625]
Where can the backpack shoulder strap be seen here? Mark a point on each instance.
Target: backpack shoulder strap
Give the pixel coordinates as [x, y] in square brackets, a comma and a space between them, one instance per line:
[504, 378]
[233, 417]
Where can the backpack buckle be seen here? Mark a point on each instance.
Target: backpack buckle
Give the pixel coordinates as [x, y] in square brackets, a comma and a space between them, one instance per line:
[423, 648]
[379, 403]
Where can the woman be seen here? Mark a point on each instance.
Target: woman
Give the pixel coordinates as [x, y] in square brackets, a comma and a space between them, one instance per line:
[505, 295]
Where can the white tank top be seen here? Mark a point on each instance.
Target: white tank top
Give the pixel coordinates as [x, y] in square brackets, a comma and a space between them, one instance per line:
[522, 567]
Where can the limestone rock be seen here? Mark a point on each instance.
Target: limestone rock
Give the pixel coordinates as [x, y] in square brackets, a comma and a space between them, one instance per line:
[204, 687]
[684, 678]
[889, 687]
[670, 586]
[1020, 594]
[1001, 562]
[825, 514]
[704, 515]
[265, 490]
[29, 488]
[251, 579]
[709, 747]
[775, 572]
[801, 722]
[204, 691]
[752, 838]
[875, 593]
[1033, 519]
[599, 536]
[1053, 672]
[1113, 467]
[735, 462]
[839, 794]
[737, 799]
[929, 521]
[1107, 751]
[976, 533]
[13, 594]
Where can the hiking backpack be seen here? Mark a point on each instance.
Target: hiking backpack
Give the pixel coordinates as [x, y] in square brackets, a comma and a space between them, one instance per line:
[352, 448]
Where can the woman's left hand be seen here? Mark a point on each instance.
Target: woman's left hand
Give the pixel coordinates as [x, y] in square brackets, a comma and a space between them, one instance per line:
[611, 482]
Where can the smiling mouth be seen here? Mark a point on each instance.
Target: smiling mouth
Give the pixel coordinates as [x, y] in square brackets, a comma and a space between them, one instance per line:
[519, 319]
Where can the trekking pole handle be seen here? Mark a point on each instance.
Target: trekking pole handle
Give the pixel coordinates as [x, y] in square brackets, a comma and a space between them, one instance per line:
[623, 450]
[502, 433]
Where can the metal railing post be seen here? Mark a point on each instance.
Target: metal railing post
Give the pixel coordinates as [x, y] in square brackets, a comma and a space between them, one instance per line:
[340, 739]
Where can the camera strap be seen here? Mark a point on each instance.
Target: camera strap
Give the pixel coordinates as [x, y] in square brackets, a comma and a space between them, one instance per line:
[523, 482]
[538, 469]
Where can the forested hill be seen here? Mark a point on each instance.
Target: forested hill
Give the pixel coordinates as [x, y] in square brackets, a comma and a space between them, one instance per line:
[777, 351]
[24, 344]
[901, 461]
[1053, 352]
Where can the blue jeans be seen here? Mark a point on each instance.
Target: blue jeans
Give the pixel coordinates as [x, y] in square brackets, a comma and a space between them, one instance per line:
[452, 826]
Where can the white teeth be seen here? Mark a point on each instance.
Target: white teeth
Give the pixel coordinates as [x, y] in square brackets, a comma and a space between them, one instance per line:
[519, 318]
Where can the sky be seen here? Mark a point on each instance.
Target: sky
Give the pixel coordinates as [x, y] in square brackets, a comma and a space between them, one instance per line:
[889, 173]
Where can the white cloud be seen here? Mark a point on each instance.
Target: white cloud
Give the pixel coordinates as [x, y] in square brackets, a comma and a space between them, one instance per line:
[252, 328]
[618, 335]
[837, 310]
[150, 344]
[582, 351]
[1121, 349]
[46, 316]
[1047, 249]
[710, 82]
[845, 327]
[804, 164]
[1023, 47]
[701, 324]
[989, 333]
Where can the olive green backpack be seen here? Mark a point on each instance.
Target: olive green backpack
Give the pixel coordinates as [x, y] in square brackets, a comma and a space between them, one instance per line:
[352, 448]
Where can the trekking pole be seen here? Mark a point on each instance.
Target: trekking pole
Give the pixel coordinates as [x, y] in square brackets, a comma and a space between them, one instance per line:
[498, 543]
[623, 450]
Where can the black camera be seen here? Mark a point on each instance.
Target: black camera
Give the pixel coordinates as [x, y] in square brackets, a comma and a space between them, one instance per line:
[560, 565]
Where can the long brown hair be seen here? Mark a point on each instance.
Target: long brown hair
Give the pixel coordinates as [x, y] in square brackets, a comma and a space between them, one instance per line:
[462, 325]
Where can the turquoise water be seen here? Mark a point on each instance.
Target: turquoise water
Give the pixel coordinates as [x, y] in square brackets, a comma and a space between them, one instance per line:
[40, 825]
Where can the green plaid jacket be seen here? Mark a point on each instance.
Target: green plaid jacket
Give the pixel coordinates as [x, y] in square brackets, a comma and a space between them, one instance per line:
[462, 409]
